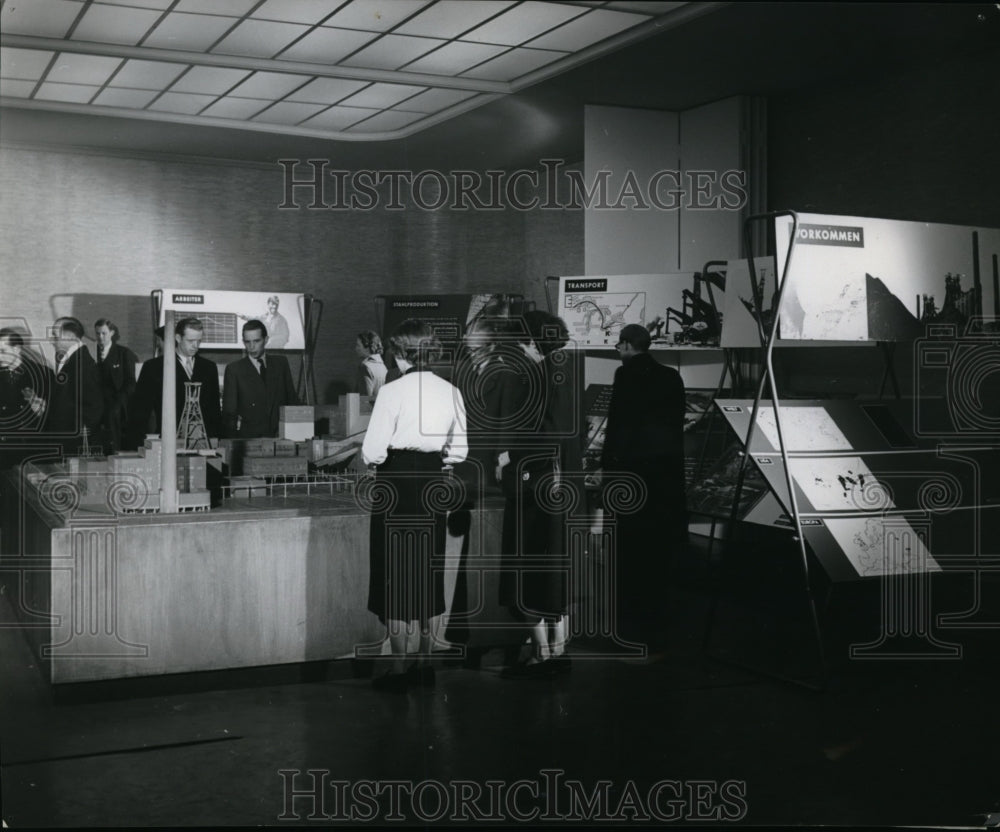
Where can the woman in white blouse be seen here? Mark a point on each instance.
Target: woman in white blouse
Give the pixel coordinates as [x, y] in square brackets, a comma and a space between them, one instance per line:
[417, 427]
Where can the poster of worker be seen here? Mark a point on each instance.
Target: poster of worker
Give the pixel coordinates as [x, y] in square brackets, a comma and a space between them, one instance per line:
[679, 310]
[223, 314]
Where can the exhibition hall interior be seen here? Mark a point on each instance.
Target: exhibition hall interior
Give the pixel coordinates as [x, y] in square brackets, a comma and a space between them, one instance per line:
[437, 411]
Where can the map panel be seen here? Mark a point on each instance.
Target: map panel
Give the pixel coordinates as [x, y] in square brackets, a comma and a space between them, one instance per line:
[881, 546]
[803, 429]
[680, 310]
[843, 483]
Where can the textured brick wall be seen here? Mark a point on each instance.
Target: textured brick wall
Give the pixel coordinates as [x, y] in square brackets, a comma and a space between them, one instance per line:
[92, 235]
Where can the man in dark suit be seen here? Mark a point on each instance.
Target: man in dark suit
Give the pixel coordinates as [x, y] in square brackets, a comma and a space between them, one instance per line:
[145, 409]
[116, 364]
[76, 401]
[255, 388]
[645, 438]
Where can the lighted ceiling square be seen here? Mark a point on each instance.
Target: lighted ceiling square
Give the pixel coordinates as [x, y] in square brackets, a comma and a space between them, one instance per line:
[269, 85]
[82, 69]
[523, 22]
[327, 90]
[326, 46]
[147, 75]
[234, 8]
[375, 15]
[392, 51]
[238, 108]
[297, 11]
[191, 32]
[115, 24]
[455, 57]
[28, 64]
[380, 96]
[387, 120]
[260, 38]
[654, 8]
[72, 93]
[338, 118]
[41, 18]
[184, 103]
[209, 80]
[16, 89]
[130, 99]
[148, 4]
[287, 112]
[434, 100]
[449, 18]
[587, 30]
[513, 64]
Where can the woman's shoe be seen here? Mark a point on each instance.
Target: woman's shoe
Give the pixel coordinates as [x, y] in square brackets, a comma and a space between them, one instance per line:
[391, 682]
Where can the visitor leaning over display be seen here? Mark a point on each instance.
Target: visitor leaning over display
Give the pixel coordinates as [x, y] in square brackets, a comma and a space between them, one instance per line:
[417, 427]
[372, 369]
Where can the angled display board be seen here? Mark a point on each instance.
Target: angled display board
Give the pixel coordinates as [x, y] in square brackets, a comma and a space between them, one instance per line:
[873, 499]
[680, 310]
[224, 313]
[864, 279]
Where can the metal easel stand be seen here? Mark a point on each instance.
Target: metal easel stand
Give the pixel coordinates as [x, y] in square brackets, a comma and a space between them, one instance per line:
[312, 314]
[767, 378]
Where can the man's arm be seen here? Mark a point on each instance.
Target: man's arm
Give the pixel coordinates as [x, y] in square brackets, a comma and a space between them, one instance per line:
[230, 401]
[213, 413]
[290, 395]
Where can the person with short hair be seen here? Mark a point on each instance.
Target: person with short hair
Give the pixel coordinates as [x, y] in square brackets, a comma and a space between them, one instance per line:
[372, 370]
[146, 406]
[417, 427]
[116, 366]
[25, 386]
[645, 437]
[255, 388]
[76, 402]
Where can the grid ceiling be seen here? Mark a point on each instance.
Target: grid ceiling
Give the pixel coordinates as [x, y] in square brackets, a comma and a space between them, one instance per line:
[345, 69]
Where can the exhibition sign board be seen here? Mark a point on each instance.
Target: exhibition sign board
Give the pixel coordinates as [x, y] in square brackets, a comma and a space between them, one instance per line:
[874, 497]
[864, 279]
[678, 309]
[223, 315]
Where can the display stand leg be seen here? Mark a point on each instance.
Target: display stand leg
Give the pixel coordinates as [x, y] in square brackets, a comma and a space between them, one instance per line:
[767, 380]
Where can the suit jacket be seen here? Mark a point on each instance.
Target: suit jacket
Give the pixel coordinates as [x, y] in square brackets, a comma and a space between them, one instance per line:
[117, 370]
[146, 403]
[645, 428]
[76, 401]
[254, 403]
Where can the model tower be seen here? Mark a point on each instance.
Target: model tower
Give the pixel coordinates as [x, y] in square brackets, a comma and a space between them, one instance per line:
[191, 434]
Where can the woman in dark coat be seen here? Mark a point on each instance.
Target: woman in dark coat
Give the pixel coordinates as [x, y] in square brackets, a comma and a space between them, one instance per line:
[539, 446]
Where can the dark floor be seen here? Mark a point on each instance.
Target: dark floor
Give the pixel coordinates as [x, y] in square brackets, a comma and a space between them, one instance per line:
[679, 737]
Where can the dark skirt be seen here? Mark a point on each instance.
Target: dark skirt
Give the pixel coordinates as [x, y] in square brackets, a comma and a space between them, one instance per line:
[407, 539]
[533, 580]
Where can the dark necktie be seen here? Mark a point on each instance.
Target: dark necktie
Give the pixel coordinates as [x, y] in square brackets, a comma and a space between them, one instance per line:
[263, 371]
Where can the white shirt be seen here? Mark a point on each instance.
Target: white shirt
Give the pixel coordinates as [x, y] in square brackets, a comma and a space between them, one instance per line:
[187, 362]
[66, 356]
[418, 412]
